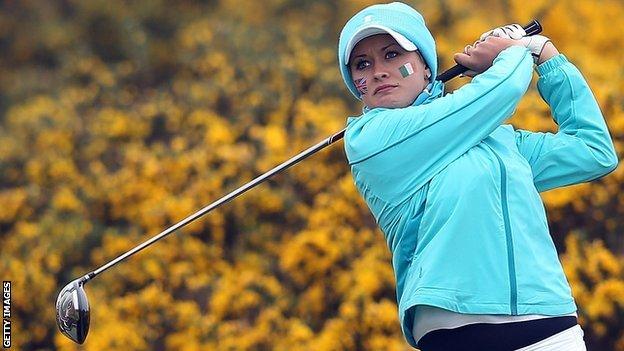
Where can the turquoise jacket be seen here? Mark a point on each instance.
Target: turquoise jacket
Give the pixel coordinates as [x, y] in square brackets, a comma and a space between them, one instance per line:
[456, 193]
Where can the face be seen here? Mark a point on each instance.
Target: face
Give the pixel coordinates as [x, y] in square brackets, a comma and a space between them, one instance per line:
[385, 74]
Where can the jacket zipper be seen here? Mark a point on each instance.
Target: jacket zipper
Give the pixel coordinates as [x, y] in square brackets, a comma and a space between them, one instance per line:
[513, 293]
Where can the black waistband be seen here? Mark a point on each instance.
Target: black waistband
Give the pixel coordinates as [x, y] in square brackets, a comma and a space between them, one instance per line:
[495, 337]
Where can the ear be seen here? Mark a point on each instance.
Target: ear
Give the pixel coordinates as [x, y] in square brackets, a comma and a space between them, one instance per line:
[427, 73]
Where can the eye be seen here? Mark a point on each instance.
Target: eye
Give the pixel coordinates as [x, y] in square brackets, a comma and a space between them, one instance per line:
[391, 54]
[361, 64]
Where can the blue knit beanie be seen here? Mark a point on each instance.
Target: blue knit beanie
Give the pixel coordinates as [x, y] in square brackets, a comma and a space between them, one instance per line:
[397, 19]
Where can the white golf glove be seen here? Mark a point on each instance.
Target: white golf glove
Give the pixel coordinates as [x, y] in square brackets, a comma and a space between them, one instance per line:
[534, 43]
[510, 31]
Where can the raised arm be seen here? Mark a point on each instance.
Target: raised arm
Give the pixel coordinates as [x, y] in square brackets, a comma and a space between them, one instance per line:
[418, 141]
[582, 149]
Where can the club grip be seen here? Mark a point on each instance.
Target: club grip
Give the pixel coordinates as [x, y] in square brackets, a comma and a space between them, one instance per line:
[532, 28]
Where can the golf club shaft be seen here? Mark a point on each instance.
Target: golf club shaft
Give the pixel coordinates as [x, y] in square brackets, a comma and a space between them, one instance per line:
[532, 28]
[301, 156]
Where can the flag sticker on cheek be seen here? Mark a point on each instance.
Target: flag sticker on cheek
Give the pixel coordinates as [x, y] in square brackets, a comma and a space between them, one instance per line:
[360, 85]
[406, 70]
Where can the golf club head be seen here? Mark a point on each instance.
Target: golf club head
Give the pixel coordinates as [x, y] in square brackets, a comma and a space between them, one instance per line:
[72, 311]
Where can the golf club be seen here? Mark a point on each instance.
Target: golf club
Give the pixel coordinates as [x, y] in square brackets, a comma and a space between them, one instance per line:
[72, 306]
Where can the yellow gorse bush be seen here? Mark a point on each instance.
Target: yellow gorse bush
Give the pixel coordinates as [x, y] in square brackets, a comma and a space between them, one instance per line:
[118, 119]
[597, 278]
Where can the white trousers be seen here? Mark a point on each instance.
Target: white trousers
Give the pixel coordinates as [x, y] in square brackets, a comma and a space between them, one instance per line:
[568, 340]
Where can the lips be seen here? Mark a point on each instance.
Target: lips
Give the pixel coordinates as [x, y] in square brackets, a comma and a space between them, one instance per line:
[384, 88]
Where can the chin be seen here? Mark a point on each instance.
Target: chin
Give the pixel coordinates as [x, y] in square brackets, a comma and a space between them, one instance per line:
[390, 101]
[392, 104]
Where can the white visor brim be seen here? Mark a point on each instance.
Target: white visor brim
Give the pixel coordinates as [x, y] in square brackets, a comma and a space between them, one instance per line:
[375, 29]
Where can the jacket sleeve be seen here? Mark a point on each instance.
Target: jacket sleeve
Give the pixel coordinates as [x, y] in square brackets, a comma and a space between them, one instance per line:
[418, 141]
[582, 149]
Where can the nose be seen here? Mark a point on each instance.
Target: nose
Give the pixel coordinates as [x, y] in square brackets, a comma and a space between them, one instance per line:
[379, 75]
[380, 72]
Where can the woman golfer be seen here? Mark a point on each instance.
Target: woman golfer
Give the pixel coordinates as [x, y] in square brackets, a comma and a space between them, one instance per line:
[456, 192]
